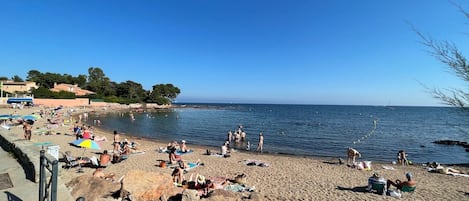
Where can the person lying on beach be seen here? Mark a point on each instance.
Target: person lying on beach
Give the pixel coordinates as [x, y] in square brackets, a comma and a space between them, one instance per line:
[436, 167]
[99, 173]
[399, 184]
[76, 161]
[134, 145]
[99, 138]
[117, 158]
[126, 151]
[189, 165]
[352, 154]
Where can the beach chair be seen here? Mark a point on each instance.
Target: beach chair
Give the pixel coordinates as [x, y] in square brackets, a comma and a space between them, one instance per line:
[408, 189]
[378, 187]
[69, 163]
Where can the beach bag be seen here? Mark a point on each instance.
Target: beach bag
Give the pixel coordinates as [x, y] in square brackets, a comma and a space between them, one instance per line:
[395, 194]
[367, 165]
[241, 178]
[162, 164]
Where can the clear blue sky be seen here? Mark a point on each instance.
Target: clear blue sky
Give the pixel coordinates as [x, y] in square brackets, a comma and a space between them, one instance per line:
[242, 51]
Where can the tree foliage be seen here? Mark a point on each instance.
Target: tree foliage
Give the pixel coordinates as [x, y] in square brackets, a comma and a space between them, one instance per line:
[17, 78]
[163, 93]
[124, 92]
[43, 92]
[448, 53]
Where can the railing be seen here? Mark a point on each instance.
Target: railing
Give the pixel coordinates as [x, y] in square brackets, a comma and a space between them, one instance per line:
[48, 188]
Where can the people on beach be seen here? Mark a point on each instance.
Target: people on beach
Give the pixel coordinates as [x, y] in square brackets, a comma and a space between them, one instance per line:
[171, 145]
[224, 149]
[243, 136]
[184, 147]
[173, 157]
[261, 142]
[352, 154]
[229, 136]
[86, 133]
[237, 137]
[104, 159]
[99, 173]
[402, 158]
[177, 175]
[77, 131]
[116, 137]
[399, 184]
[75, 161]
[27, 130]
[99, 138]
[376, 179]
[437, 167]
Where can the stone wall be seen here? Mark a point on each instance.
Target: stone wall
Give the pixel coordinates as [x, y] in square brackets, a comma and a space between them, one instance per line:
[24, 151]
[64, 102]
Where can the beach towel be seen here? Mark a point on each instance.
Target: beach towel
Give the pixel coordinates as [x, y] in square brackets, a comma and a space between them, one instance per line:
[458, 174]
[45, 144]
[94, 161]
[137, 153]
[388, 168]
[192, 166]
[217, 155]
[180, 153]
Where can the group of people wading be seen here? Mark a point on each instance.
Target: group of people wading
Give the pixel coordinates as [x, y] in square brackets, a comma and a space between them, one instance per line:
[239, 139]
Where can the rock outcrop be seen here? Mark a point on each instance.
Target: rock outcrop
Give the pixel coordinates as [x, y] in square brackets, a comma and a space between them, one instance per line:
[148, 186]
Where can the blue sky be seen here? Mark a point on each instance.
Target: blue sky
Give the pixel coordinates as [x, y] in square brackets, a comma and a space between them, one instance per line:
[244, 51]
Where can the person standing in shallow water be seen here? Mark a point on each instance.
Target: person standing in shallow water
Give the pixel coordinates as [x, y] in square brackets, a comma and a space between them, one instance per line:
[261, 142]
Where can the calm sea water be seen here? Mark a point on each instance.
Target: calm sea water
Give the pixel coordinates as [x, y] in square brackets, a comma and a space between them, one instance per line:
[311, 130]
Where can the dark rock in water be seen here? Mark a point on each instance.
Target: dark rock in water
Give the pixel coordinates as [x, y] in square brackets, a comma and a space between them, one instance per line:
[422, 145]
[453, 142]
[447, 142]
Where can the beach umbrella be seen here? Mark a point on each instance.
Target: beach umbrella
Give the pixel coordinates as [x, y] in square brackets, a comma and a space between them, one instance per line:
[85, 144]
[4, 117]
[8, 116]
[29, 117]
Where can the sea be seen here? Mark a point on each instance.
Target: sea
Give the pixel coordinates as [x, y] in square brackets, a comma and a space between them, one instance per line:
[378, 132]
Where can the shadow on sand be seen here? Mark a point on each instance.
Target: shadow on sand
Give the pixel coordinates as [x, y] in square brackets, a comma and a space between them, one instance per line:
[359, 189]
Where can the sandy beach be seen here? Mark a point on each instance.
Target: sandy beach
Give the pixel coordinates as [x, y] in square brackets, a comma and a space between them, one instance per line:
[286, 177]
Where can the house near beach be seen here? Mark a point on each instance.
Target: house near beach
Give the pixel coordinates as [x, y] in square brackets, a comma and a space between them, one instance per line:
[71, 88]
[13, 87]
